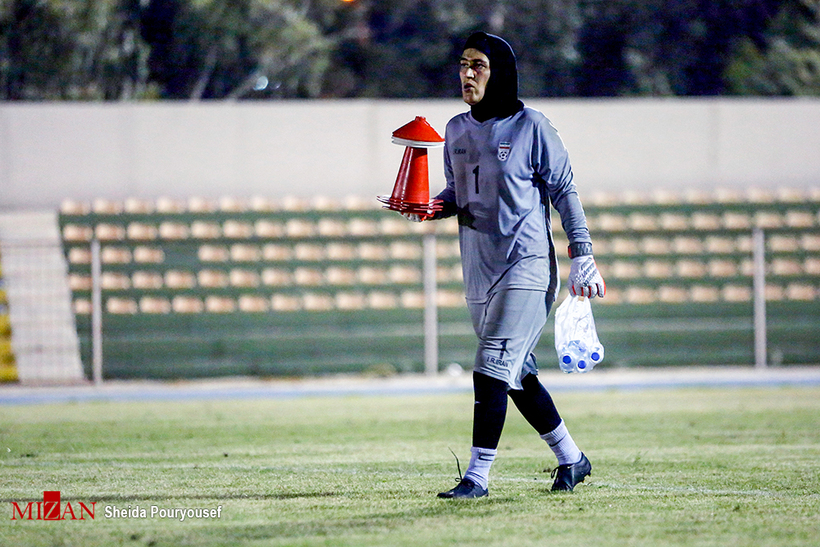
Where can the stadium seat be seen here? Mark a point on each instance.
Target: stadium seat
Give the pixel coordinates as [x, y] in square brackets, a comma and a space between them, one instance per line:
[690, 268]
[173, 230]
[115, 255]
[658, 269]
[169, 205]
[154, 304]
[621, 269]
[276, 277]
[198, 204]
[362, 227]
[251, 303]
[81, 306]
[799, 219]
[243, 278]
[109, 232]
[230, 204]
[380, 300]
[324, 203]
[243, 252]
[736, 293]
[79, 255]
[350, 301]
[811, 266]
[77, 233]
[201, 229]
[801, 291]
[340, 251]
[309, 252]
[733, 220]
[219, 304]
[394, 226]
[673, 222]
[294, 204]
[178, 279]
[774, 293]
[768, 219]
[136, 206]
[369, 275]
[138, 231]
[786, 267]
[336, 275]
[317, 302]
[449, 299]
[759, 195]
[671, 294]
[412, 299]
[372, 251]
[237, 229]
[810, 242]
[722, 268]
[121, 306]
[212, 279]
[261, 204]
[114, 281]
[649, 245]
[404, 274]
[285, 302]
[704, 293]
[102, 206]
[299, 228]
[706, 221]
[187, 304]
[687, 245]
[213, 253]
[309, 277]
[719, 245]
[74, 208]
[624, 246]
[272, 252]
[268, 229]
[405, 250]
[79, 282]
[143, 280]
[640, 295]
[783, 243]
[642, 222]
[331, 227]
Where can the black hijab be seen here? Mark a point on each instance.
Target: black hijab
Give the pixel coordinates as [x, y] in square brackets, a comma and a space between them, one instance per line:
[501, 95]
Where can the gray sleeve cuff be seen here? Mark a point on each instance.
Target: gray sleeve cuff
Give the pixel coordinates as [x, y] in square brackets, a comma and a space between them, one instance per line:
[579, 249]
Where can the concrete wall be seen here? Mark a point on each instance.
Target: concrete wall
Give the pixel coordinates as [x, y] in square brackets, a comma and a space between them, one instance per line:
[82, 151]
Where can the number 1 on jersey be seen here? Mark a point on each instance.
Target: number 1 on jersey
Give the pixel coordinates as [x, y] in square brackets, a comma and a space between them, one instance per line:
[475, 172]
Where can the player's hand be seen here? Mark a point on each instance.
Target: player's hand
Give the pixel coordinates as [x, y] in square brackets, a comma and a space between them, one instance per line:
[412, 217]
[585, 279]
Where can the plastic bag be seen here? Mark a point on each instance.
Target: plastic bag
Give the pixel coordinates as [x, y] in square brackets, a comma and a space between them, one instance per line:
[576, 339]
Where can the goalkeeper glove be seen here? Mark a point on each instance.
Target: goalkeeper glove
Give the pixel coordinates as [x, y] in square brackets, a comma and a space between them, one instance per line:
[585, 279]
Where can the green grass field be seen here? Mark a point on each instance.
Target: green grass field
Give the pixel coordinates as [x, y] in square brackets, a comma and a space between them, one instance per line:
[710, 467]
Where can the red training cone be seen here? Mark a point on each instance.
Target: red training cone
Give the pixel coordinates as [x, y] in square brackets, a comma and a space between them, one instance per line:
[411, 192]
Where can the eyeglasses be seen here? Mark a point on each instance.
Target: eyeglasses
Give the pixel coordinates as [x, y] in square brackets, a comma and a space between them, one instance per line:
[475, 66]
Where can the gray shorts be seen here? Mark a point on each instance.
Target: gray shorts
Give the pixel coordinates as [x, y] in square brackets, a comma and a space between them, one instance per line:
[508, 327]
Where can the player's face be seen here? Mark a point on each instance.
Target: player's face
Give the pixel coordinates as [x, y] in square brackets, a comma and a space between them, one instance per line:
[474, 74]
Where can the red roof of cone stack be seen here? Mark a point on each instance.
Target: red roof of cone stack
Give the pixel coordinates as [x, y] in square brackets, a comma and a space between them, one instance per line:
[417, 133]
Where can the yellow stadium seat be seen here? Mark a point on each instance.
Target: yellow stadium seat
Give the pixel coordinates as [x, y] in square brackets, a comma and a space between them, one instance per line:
[202, 229]
[139, 231]
[243, 278]
[154, 304]
[213, 253]
[187, 304]
[219, 304]
[250, 303]
[212, 279]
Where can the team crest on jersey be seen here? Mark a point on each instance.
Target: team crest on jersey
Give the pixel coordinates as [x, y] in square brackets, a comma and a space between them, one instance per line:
[503, 151]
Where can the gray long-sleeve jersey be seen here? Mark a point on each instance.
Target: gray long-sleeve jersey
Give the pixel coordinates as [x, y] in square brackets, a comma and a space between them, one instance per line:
[501, 176]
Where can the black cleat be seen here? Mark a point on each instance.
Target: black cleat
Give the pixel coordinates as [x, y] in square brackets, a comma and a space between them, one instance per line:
[568, 476]
[466, 489]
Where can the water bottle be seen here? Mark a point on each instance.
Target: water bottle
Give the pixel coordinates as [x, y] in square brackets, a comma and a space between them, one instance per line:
[596, 355]
[574, 357]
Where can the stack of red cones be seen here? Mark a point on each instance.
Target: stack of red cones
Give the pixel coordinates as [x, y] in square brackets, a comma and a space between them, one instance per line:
[411, 193]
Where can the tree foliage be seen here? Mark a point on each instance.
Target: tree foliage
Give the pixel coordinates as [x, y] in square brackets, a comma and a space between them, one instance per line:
[263, 49]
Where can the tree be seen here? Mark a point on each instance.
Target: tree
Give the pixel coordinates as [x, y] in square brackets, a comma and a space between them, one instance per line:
[788, 63]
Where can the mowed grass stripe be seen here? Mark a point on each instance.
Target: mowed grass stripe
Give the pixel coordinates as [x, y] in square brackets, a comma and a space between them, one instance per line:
[710, 466]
